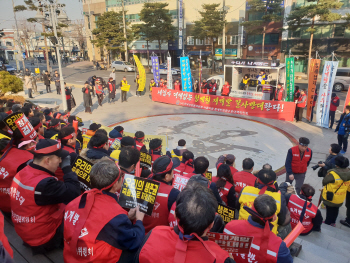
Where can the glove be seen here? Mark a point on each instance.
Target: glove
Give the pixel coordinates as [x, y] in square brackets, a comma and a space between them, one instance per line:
[65, 162]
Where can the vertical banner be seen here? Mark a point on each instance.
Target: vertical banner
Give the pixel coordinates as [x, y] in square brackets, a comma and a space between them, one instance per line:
[325, 93]
[180, 15]
[290, 79]
[186, 77]
[313, 74]
[142, 73]
[169, 75]
[347, 100]
[155, 67]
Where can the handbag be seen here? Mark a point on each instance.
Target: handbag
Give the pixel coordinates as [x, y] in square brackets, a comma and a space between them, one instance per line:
[330, 195]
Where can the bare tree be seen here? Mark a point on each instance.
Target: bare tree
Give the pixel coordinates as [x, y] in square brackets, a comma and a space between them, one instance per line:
[78, 33]
[26, 31]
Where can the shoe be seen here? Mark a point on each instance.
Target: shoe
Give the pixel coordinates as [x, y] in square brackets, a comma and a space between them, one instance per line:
[333, 225]
[342, 152]
[343, 222]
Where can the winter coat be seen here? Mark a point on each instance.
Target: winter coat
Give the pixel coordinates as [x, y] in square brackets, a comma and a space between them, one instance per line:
[115, 134]
[94, 155]
[28, 82]
[47, 79]
[344, 174]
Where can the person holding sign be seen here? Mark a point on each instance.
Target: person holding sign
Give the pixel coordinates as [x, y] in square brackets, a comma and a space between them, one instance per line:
[139, 140]
[96, 227]
[40, 198]
[266, 246]
[187, 242]
[224, 183]
[228, 159]
[186, 165]
[52, 130]
[163, 173]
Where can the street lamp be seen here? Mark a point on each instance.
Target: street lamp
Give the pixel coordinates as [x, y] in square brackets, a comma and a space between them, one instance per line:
[52, 17]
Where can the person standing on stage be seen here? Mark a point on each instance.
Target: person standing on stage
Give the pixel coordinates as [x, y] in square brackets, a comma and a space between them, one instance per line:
[300, 105]
[334, 105]
[212, 87]
[261, 79]
[280, 93]
[204, 86]
[226, 89]
[177, 85]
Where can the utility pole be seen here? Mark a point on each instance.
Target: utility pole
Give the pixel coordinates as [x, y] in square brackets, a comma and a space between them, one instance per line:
[223, 34]
[17, 39]
[124, 29]
[91, 36]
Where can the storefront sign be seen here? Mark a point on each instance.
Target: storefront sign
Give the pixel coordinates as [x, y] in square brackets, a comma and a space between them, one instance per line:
[82, 168]
[186, 77]
[247, 94]
[325, 93]
[169, 75]
[290, 79]
[155, 67]
[230, 52]
[227, 213]
[142, 74]
[232, 244]
[279, 110]
[256, 62]
[137, 191]
[313, 74]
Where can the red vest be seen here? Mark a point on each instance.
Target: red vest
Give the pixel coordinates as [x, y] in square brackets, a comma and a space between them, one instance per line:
[59, 173]
[295, 206]
[8, 169]
[301, 105]
[233, 170]
[244, 228]
[204, 90]
[212, 87]
[334, 100]
[280, 93]
[160, 211]
[111, 86]
[225, 90]
[68, 97]
[3, 238]
[139, 145]
[183, 169]
[155, 157]
[99, 89]
[223, 192]
[243, 179]
[88, 249]
[177, 86]
[300, 166]
[161, 247]
[36, 225]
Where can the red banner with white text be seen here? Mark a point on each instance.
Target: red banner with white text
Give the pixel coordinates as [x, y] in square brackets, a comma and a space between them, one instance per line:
[279, 110]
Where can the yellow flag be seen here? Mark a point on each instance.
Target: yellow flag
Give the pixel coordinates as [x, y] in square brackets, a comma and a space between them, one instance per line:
[142, 73]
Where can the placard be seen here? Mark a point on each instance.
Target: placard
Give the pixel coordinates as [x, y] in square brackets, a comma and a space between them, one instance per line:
[180, 182]
[290, 79]
[186, 76]
[209, 175]
[138, 191]
[82, 168]
[19, 121]
[227, 213]
[313, 74]
[232, 244]
[145, 160]
[114, 143]
[155, 67]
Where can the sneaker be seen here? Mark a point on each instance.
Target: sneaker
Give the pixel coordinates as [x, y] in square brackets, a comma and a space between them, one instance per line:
[343, 222]
[333, 225]
[342, 152]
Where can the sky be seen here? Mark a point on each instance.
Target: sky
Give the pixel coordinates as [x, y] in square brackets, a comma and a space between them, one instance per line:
[73, 8]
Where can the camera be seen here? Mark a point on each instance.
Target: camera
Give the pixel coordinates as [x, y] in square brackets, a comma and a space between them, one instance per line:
[316, 166]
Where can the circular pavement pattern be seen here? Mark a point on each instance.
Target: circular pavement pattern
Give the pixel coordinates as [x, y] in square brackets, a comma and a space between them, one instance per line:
[213, 135]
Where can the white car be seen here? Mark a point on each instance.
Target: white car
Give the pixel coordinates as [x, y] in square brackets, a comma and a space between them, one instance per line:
[122, 65]
[163, 70]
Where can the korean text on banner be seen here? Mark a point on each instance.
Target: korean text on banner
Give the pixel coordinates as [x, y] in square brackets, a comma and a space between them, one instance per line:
[169, 75]
[180, 14]
[19, 121]
[313, 74]
[142, 73]
[279, 110]
[82, 168]
[155, 67]
[186, 77]
[325, 93]
[227, 213]
[232, 244]
[180, 182]
[347, 100]
[290, 79]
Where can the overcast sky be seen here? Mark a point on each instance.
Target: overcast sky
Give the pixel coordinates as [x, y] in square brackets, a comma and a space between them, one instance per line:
[74, 9]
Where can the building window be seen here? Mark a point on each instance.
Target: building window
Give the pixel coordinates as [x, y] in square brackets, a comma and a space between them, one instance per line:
[220, 40]
[271, 39]
[253, 16]
[339, 31]
[199, 42]
[8, 44]
[234, 40]
[207, 41]
[190, 40]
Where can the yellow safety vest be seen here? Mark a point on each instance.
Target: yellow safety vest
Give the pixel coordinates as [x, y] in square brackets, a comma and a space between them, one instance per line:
[340, 195]
[248, 195]
[245, 81]
[151, 85]
[125, 86]
[115, 155]
[174, 155]
[3, 136]
[86, 139]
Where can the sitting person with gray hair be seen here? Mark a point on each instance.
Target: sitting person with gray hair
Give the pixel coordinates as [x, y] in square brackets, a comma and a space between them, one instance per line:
[96, 227]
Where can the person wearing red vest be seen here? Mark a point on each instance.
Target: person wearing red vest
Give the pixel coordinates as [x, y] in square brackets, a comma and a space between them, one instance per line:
[187, 242]
[297, 161]
[99, 91]
[96, 227]
[266, 246]
[139, 140]
[111, 90]
[38, 126]
[333, 107]
[155, 149]
[228, 159]
[212, 87]
[87, 90]
[177, 85]
[300, 105]
[226, 89]
[204, 86]
[302, 209]
[280, 93]
[245, 177]
[186, 165]
[162, 170]
[38, 198]
[224, 184]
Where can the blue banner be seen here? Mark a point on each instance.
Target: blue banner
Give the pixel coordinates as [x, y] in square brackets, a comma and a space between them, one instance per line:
[325, 93]
[155, 66]
[186, 77]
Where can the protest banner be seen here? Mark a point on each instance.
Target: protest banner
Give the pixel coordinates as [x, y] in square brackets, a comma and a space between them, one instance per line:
[290, 79]
[180, 182]
[279, 110]
[227, 213]
[313, 74]
[347, 100]
[247, 94]
[82, 168]
[142, 74]
[145, 160]
[325, 93]
[137, 191]
[230, 243]
[169, 74]
[19, 121]
[155, 67]
[186, 78]
[209, 175]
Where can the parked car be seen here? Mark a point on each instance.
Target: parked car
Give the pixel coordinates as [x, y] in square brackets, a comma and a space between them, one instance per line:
[122, 65]
[342, 79]
[163, 70]
[10, 69]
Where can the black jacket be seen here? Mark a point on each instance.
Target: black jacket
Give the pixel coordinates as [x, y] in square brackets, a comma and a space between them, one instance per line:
[47, 79]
